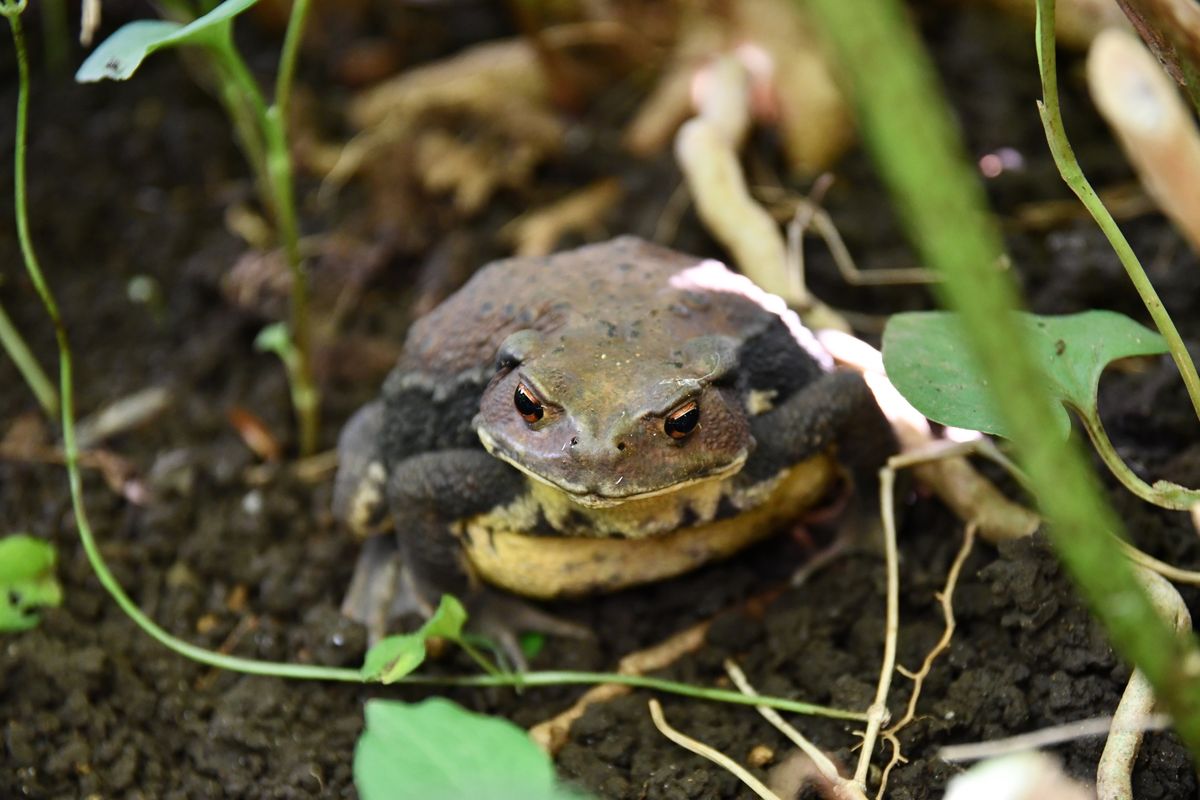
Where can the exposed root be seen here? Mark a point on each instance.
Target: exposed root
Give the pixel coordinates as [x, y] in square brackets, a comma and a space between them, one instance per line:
[878, 712]
[842, 788]
[712, 754]
[946, 600]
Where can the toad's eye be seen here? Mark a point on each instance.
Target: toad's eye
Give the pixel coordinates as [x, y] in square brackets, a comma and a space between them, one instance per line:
[527, 403]
[682, 421]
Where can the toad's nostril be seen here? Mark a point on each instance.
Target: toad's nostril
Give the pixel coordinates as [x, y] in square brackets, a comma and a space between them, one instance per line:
[620, 445]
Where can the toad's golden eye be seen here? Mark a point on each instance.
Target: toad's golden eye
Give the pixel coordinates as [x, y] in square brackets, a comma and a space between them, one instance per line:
[682, 421]
[527, 403]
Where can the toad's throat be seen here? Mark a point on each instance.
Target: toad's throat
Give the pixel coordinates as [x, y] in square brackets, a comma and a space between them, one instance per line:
[591, 497]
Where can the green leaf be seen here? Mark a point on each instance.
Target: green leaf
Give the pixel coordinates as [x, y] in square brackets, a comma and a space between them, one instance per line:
[927, 360]
[120, 55]
[274, 338]
[27, 581]
[447, 622]
[435, 750]
[396, 656]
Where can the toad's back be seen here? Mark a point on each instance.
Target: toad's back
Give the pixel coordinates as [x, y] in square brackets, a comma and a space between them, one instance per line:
[643, 301]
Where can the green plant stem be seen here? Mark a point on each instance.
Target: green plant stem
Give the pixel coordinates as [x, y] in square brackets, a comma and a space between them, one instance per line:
[242, 112]
[922, 159]
[29, 367]
[279, 168]
[1072, 174]
[288, 57]
[274, 171]
[304, 391]
[1162, 493]
[570, 677]
[12, 341]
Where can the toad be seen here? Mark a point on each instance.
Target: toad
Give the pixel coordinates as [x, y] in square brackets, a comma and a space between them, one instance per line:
[600, 418]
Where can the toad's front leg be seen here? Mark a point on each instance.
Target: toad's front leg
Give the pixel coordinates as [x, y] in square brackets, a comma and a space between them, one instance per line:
[837, 411]
[427, 493]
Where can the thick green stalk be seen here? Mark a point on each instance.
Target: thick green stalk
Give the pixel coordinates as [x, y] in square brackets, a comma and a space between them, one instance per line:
[921, 156]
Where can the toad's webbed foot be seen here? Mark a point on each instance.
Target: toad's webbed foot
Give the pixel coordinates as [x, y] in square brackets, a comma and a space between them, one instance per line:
[383, 590]
[501, 618]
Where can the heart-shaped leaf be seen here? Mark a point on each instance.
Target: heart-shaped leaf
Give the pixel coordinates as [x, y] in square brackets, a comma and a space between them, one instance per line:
[927, 360]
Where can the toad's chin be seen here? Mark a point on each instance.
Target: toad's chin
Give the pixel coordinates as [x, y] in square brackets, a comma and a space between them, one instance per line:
[591, 496]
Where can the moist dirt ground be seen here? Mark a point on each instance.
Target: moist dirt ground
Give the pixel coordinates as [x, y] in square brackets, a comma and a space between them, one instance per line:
[130, 191]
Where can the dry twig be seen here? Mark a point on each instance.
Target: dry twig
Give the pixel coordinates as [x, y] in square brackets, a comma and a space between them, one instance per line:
[1044, 738]
[551, 735]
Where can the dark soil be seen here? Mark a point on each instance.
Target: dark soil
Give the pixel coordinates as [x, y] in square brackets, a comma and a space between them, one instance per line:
[132, 181]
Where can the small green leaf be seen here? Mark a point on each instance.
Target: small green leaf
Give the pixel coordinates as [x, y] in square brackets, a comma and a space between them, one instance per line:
[27, 581]
[120, 55]
[447, 622]
[396, 656]
[274, 338]
[927, 359]
[435, 750]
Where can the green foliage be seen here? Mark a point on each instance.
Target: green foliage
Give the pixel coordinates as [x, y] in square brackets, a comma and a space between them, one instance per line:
[27, 581]
[396, 656]
[926, 357]
[120, 55]
[436, 750]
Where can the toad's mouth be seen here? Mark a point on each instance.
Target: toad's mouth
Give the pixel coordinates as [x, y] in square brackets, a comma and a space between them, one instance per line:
[591, 496]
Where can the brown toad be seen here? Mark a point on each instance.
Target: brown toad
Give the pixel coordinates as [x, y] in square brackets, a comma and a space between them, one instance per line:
[600, 418]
